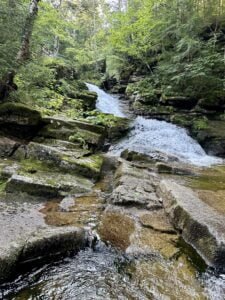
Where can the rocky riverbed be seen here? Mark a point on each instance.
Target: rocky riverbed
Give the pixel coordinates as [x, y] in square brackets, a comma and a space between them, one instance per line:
[60, 192]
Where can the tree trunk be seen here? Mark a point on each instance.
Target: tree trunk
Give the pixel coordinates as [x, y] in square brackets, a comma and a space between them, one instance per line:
[24, 52]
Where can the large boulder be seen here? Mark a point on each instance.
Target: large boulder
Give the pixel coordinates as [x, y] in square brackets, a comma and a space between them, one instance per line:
[19, 120]
[200, 225]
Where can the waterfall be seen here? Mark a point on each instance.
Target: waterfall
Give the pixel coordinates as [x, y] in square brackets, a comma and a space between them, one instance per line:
[148, 135]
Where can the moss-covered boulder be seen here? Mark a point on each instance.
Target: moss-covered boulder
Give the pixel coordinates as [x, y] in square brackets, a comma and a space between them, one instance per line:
[19, 120]
[86, 134]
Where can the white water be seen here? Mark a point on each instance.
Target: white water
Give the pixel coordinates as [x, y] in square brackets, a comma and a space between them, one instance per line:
[149, 135]
[106, 103]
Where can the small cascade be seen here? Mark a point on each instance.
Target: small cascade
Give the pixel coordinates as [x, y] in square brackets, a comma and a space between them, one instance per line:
[152, 135]
[106, 103]
[149, 135]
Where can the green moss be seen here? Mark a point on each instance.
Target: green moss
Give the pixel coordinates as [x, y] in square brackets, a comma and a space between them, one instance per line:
[31, 166]
[200, 124]
[9, 108]
[212, 179]
[182, 120]
[193, 256]
[2, 185]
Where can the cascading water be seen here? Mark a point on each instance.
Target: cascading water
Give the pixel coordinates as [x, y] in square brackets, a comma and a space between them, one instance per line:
[106, 103]
[149, 135]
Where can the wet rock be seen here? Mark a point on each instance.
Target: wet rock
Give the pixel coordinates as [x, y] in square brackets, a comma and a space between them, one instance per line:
[75, 131]
[116, 228]
[134, 186]
[48, 184]
[146, 241]
[27, 238]
[163, 168]
[7, 147]
[173, 279]
[49, 242]
[201, 226]
[130, 155]
[118, 128]
[158, 221]
[19, 120]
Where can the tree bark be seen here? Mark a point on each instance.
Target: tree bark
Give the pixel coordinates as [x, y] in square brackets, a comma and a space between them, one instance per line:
[24, 52]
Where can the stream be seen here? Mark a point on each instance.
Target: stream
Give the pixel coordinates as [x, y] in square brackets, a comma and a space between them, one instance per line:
[104, 273]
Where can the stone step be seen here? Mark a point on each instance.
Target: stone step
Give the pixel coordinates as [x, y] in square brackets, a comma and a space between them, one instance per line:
[200, 225]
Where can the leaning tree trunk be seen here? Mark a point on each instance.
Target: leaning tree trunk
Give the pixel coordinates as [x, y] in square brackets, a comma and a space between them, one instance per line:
[24, 51]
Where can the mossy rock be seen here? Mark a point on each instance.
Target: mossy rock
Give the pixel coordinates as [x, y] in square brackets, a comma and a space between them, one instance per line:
[86, 165]
[19, 114]
[19, 120]
[74, 131]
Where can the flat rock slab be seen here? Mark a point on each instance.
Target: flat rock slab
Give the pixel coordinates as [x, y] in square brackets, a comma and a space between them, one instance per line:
[48, 184]
[135, 186]
[201, 225]
[26, 236]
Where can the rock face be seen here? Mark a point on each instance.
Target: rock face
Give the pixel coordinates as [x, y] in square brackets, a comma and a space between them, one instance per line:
[19, 120]
[7, 147]
[200, 225]
[75, 131]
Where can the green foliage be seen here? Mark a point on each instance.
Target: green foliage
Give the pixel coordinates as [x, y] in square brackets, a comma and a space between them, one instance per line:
[176, 44]
[80, 138]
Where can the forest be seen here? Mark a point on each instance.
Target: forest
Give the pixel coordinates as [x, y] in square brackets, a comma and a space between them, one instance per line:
[112, 149]
[177, 45]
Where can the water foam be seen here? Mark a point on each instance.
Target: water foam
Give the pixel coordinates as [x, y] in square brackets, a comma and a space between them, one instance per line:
[152, 135]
